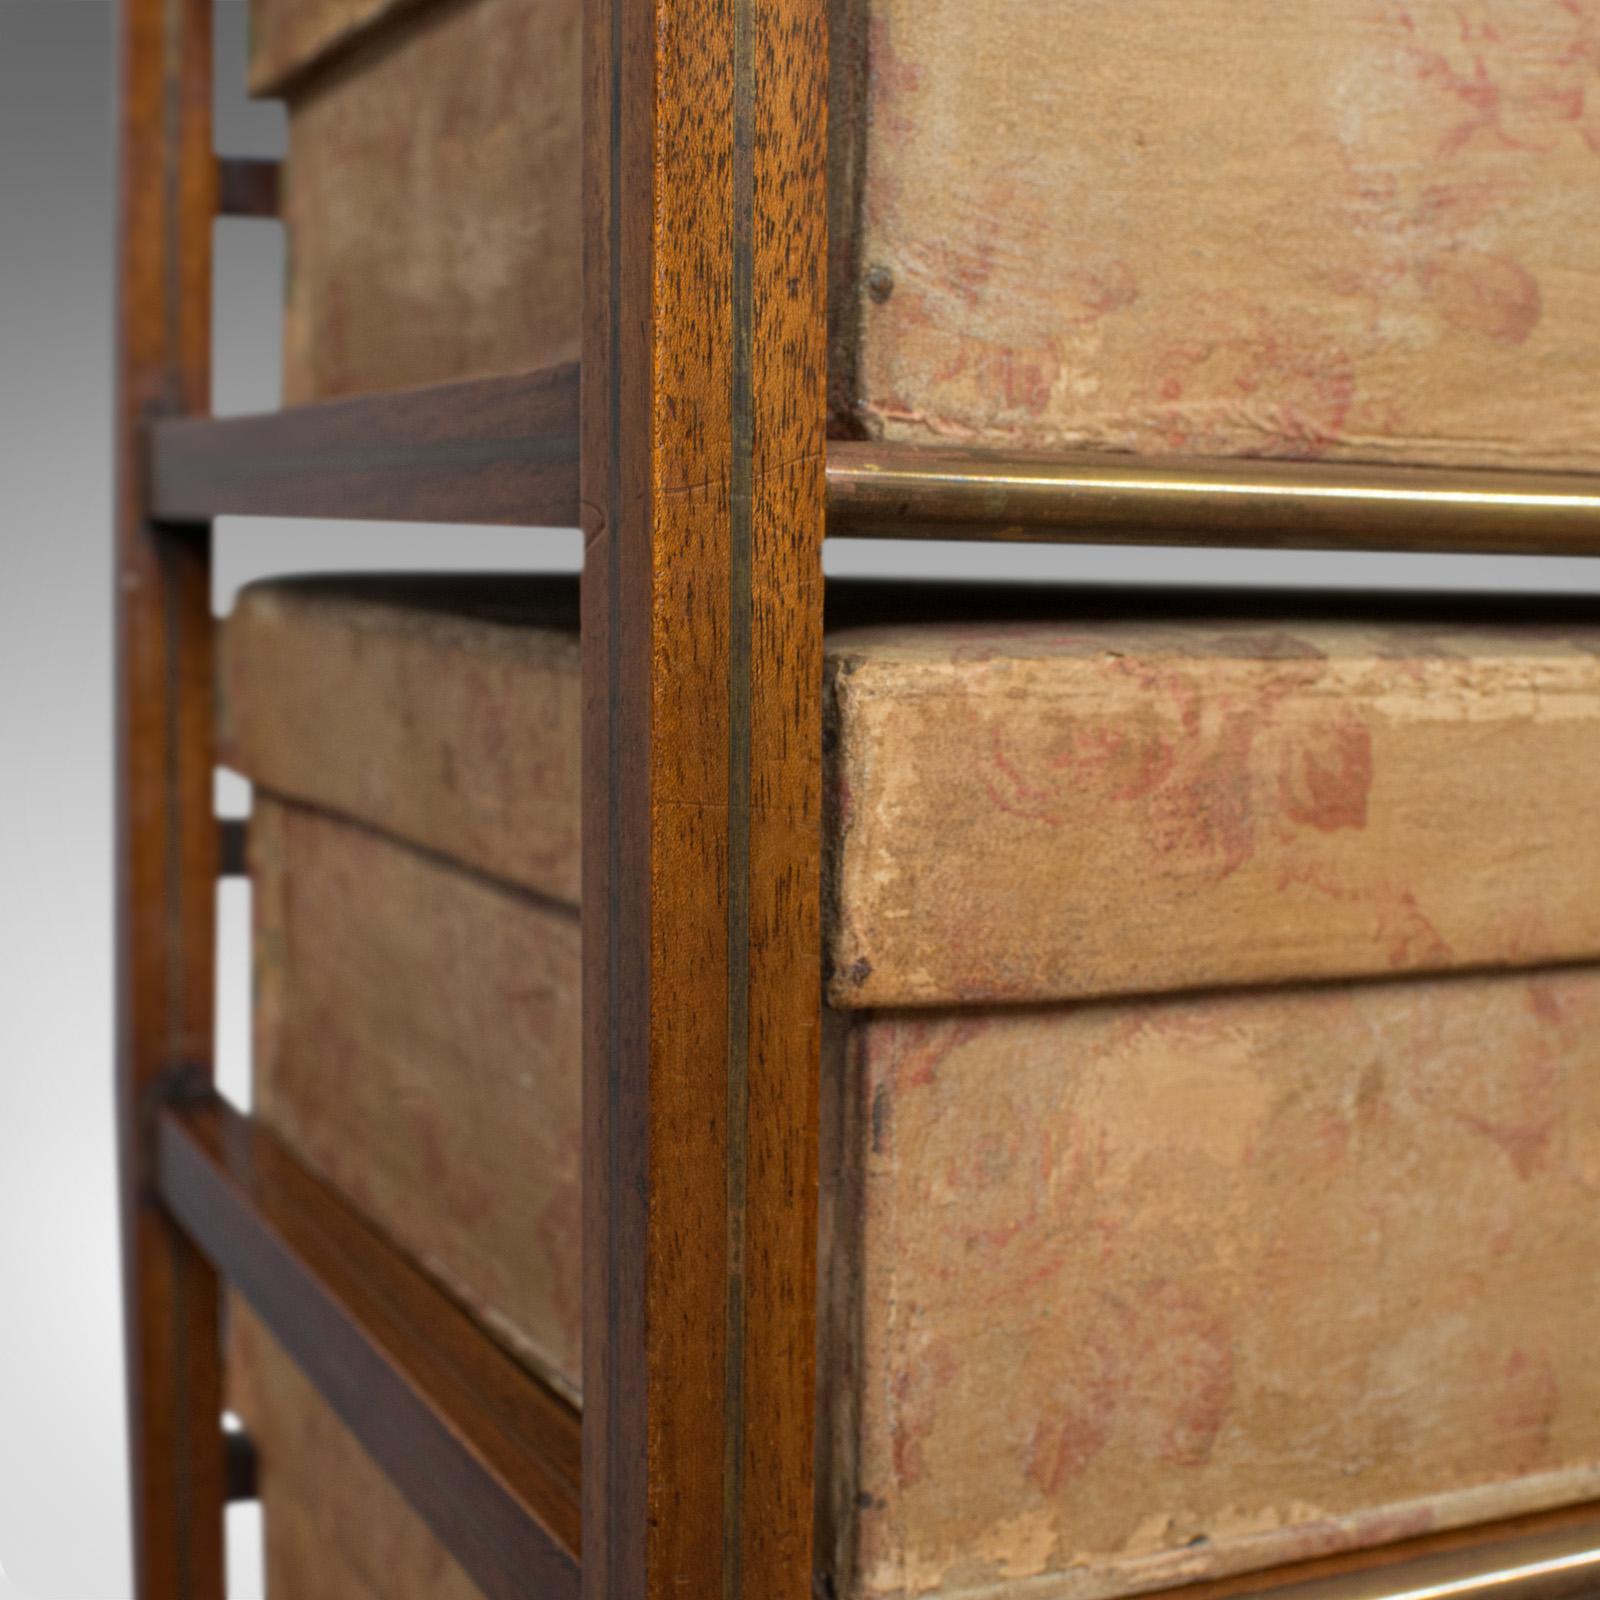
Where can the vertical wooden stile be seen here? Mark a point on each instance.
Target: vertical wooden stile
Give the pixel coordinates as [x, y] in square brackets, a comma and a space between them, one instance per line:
[166, 840]
[704, 396]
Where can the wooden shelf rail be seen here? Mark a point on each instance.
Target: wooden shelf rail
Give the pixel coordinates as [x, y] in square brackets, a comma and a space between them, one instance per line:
[484, 1452]
[247, 187]
[493, 450]
[505, 451]
[240, 1467]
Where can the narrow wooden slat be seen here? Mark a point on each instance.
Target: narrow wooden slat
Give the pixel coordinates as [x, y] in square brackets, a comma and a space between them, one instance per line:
[891, 491]
[233, 848]
[504, 451]
[703, 419]
[486, 1454]
[247, 187]
[239, 1454]
[491, 450]
[166, 840]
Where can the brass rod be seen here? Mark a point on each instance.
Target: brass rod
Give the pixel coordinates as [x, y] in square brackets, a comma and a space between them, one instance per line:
[1559, 1564]
[898, 491]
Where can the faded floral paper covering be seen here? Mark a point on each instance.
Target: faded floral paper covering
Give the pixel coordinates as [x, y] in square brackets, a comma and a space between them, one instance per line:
[1117, 1290]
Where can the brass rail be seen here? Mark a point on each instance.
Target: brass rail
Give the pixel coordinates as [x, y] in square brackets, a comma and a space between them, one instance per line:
[899, 491]
[1556, 1564]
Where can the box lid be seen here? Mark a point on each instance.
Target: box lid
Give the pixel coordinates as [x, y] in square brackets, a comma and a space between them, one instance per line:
[1078, 793]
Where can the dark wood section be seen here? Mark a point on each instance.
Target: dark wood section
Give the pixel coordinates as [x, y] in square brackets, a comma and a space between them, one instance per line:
[896, 491]
[240, 1463]
[233, 848]
[246, 187]
[166, 839]
[1550, 1555]
[703, 419]
[485, 1453]
[505, 451]
[492, 450]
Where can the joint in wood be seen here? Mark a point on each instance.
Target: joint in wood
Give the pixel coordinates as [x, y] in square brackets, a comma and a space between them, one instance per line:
[184, 1083]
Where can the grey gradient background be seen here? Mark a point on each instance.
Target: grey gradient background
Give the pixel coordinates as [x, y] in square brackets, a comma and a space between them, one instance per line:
[63, 1524]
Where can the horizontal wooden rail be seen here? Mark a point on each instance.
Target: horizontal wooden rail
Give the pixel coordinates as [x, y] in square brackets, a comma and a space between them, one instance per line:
[901, 491]
[505, 451]
[492, 450]
[484, 1452]
[233, 848]
[239, 1466]
[247, 187]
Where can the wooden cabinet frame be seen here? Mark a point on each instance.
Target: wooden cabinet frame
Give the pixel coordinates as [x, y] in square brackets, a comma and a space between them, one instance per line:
[691, 451]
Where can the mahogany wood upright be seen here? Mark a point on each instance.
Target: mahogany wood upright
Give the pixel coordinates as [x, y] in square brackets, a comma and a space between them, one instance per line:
[166, 838]
[704, 376]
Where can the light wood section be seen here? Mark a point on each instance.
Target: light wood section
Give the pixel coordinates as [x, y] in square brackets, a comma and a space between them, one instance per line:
[495, 450]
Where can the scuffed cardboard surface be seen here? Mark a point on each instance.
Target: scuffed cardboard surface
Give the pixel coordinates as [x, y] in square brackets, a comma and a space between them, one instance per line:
[1355, 229]
[335, 1527]
[290, 37]
[1017, 811]
[1116, 1292]
[417, 1044]
[456, 728]
[1155, 1291]
[431, 197]
[1026, 813]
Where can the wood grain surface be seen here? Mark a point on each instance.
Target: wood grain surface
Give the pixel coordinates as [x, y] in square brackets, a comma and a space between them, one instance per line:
[334, 1525]
[484, 1452]
[703, 412]
[489, 450]
[166, 840]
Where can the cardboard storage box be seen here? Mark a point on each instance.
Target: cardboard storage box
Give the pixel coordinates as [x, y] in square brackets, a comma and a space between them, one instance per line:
[1197, 227]
[1197, 1194]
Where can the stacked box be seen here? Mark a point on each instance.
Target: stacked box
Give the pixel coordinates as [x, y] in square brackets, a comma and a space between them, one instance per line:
[431, 188]
[1212, 1074]
[1197, 227]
